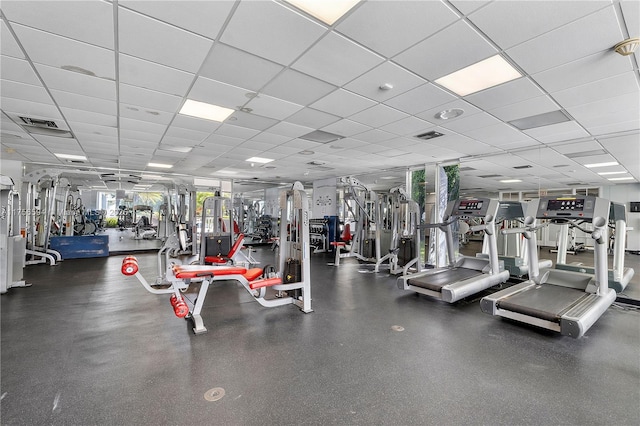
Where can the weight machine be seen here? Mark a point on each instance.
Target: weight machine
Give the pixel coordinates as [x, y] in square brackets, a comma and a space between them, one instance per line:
[404, 250]
[12, 243]
[289, 284]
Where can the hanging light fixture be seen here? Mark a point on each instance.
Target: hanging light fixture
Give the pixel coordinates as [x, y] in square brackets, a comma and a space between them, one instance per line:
[628, 46]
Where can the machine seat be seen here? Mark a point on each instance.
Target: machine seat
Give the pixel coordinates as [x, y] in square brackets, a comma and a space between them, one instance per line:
[447, 276]
[265, 282]
[545, 301]
[200, 271]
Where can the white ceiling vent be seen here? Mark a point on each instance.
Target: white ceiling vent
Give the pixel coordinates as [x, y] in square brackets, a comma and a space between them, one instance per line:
[321, 137]
[317, 163]
[540, 120]
[38, 126]
[429, 135]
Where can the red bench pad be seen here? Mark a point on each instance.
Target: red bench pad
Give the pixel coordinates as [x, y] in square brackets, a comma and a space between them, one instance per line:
[215, 259]
[338, 243]
[198, 271]
[252, 274]
[265, 282]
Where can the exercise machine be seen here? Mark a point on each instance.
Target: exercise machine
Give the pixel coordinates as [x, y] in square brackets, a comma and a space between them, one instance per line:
[12, 243]
[568, 302]
[465, 275]
[142, 219]
[512, 247]
[290, 283]
[404, 250]
[619, 276]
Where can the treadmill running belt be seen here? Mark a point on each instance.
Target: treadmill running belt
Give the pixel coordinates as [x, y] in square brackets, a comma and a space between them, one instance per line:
[448, 276]
[544, 301]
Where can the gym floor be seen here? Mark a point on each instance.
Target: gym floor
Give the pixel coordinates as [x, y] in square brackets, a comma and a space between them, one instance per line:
[86, 345]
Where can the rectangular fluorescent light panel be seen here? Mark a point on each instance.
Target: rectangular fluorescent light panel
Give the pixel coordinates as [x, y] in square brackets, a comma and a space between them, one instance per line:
[510, 180]
[225, 172]
[622, 178]
[611, 173]
[594, 165]
[259, 160]
[482, 75]
[71, 157]
[160, 165]
[183, 149]
[540, 120]
[328, 11]
[205, 110]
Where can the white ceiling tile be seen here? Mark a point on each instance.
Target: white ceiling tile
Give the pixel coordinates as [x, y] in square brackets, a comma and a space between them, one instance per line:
[193, 123]
[239, 68]
[94, 140]
[398, 25]
[527, 108]
[268, 106]
[49, 49]
[88, 117]
[378, 116]
[174, 141]
[137, 112]
[138, 72]
[94, 129]
[73, 82]
[315, 119]
[30, 109]
[86, 21]
[217, 93]
[612, 128]
[369, 83]
[227, 129]
[557, 132]
[27, 92]
[594, 33]
[625, 150]
[187, 134]
[252, 121]
[585, 70]
[155, 41]
[574, 147]
[14, 69]
[139, 138]
[86, 103]
[372, 136]
[509, 23]
[420, 99]
[320, 60]
[299, 88]
[8, 43]
[598, 90]
[464, 124]
[497, 135]
[463, 145]
[152, 99]
[343, 103]
[468, 6]
[345, 128]
[204, 18]
[289, 129]
[618, 109]
[505, 94]
[430, 114]
[449, 50]
[270, 139]
[409, 126]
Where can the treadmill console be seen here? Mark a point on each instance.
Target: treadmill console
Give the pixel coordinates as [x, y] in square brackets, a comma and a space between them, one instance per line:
[471, 207]
[567, 207]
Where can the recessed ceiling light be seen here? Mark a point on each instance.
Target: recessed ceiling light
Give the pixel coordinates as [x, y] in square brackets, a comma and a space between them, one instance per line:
[612, 173]
[225, 172]
[205, 110]
[160, 165]
[510, 180]
[622, 178]
[71, 157]
[448, 114]
[183, 149]
[594, 165]
[259, 160]
[306, 152]
[326, 11]
[479, 76]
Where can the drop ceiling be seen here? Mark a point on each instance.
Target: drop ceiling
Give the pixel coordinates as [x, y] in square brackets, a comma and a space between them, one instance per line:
[117, 74]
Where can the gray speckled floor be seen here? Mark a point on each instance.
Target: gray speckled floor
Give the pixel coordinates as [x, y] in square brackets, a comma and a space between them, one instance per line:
[85, 345]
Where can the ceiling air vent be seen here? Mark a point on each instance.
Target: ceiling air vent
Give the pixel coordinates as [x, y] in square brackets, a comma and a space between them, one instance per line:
[489, 176]
[466, 169]
[429, 135]
[316, 163]
[321, 137]
[522, 167]
[585, 153]
[37, 126]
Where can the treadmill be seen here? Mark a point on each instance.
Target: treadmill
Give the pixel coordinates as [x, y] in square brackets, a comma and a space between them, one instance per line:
[564, 301]
[618, 277]
[515, 260]
[466, 275]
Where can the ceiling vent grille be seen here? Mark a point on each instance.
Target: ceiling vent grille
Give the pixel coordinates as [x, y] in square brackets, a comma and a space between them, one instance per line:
[490, 176]
[586, 153]
[316, 163]
[321, 137]
[37, 126]
[527, 166]
[429, 135]
[36, 122]
[466, 169]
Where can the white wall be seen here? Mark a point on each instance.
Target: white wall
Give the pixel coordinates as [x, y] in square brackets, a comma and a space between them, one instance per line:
[13, 169]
